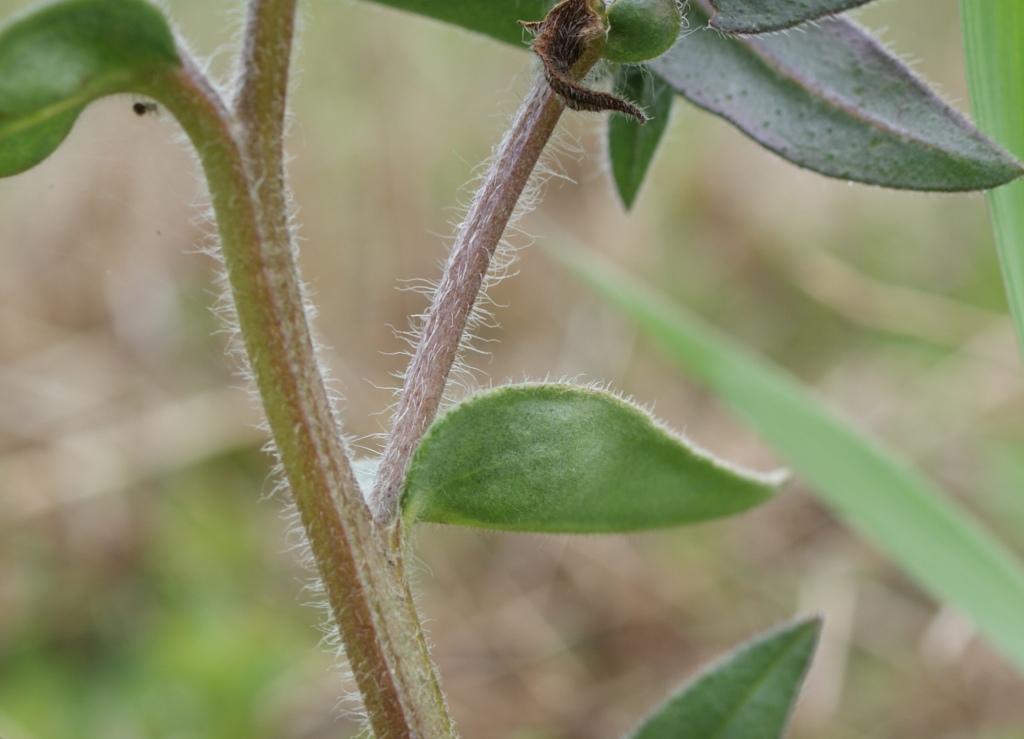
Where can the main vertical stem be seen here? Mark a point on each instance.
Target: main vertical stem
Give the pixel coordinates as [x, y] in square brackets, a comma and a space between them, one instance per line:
[364, 582]
[464, 274]
[261, 106]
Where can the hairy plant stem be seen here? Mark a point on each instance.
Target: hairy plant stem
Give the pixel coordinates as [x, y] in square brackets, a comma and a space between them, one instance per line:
[365, 584]
[261, 105]
[464, 275]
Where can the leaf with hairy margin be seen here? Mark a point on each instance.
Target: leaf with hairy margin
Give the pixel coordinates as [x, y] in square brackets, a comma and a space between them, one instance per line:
[830, 98]
[565, 459]
[759, 16]
[58, 59]
[631, 145]
[748, 695]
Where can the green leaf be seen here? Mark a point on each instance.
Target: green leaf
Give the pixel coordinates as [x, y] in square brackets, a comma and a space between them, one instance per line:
[748, 695]
[830, 98]
[994, 36]
[937, 542]
[57, 60]
[561, 458]
[631, 146]
[496, 18]
[758, 16]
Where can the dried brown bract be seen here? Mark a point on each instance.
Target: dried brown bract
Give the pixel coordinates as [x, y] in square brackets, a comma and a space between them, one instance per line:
[568, 42]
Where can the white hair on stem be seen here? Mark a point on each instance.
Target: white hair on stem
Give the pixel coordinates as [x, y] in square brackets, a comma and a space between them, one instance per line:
[223, 308]
[464, 378]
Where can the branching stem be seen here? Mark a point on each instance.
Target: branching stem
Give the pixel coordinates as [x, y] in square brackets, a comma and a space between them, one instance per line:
[365, 583]
[362, 570]
[569, 40]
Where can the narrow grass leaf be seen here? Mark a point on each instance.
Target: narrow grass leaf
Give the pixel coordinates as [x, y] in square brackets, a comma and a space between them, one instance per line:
[748, 695]
[994, 37]
[56, 60]
[832, 99]
[888, 502]
[567, 459]
[759, 16]
[631, 146]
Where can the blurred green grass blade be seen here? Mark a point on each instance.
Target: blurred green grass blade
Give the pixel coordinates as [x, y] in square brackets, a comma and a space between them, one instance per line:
[632, 145]
[759, 16]
[558, 458]
[875, 492]
[748, 695]
[994, 39]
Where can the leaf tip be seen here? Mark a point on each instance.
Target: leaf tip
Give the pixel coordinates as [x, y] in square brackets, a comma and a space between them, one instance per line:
[627, 196]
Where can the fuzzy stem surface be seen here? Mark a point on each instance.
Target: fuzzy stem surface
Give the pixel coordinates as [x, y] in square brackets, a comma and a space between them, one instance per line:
[464, 275]
[261, 104]
[365, 586]
[568, 42]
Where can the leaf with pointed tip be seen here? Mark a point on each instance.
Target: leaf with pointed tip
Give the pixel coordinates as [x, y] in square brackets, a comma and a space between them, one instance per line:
[57, 60]
[748, 695]
[631, 145]
[832, 99]
[561, 458]
[939, 543]
[495, 18]
[759, 16]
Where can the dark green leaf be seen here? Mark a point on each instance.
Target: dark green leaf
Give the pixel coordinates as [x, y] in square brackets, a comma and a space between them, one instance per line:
[560, 458]
[631, 146]
[891, 504]
[496, 18]
[57, 60]
[831, 99]
[758, 16]
[748, 695]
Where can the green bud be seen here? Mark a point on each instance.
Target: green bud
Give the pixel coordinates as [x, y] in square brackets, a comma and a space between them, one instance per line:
[641, 29]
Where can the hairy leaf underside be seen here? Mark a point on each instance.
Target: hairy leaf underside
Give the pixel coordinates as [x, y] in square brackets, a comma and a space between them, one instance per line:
[561, 458]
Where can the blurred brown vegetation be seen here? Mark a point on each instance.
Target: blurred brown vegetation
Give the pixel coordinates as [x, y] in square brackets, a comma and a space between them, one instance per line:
[146, 585]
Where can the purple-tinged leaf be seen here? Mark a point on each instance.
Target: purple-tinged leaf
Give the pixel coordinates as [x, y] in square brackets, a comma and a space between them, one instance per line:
[759, 16]
[830, 98]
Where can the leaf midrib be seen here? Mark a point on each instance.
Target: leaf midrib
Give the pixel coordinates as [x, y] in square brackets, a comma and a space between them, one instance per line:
[748, 694]
[85, 95]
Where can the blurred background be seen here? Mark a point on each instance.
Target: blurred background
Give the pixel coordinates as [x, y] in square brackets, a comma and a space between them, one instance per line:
[147, 588]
